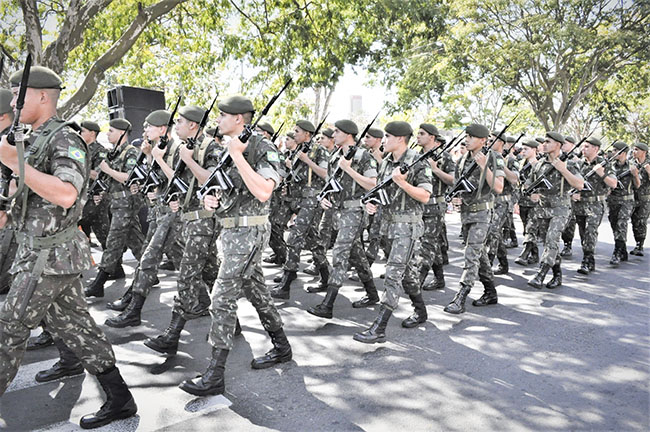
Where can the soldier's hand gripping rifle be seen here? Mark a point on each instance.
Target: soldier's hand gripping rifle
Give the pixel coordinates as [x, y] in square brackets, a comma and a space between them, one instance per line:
[463, 185]
[592, 172]
[542, 182]
[378, 196]
[177, 188]
[304, 148]
[99, 186]
[16, 137]
[219, 181]
[505, 152]
[332, 185]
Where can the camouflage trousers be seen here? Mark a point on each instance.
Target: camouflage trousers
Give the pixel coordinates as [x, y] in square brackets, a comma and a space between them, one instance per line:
[198, 268]
[95, 218]
[527, 215]
[326, 227]
[431, 240]
[640, 220]
[279, 217]
[619, 214]
[59, 302]
[476, 264]
[588, 218]
[241, 270]
[376, 236]
[8, 248]
[348, 250]
[124, 231]
[160, 239]
[550, 223]
[569, 230]
[401, 266]
[309, 213]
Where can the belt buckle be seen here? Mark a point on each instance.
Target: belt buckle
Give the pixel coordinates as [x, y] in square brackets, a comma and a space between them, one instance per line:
[244, 220]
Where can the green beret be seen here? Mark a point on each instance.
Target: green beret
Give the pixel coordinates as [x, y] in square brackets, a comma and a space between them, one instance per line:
[532, 143]
[477, 130]
[555, 136]
[291, 135]
[40, 77]
[441, 139]
[5, 101]
[266, 127]
[620, 145]
[347, 126]
[90, 125]
[540, 140]
[594, 141]
[158, 118]
[510, 139]
[641, 146]
[429, 128]
[306, 125]
[236, 105]
[496, 134]
[570, 139]
[120, 123]
[376, 133]
[192, 113]
[329, 133]
[399, 128]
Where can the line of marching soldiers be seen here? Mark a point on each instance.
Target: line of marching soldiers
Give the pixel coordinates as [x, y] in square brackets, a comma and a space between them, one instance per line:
[215, 198]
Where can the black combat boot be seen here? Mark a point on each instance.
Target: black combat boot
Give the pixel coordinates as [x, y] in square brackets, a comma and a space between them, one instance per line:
[281, 290]
[566, 252]
[270, 259]
[371, 298]
[130, 317]
[167, 343]
[96, 288]
[503, 267]
[457, 305]
[538, 280]
[438, 281]
[522, 259]
[68, 365]
[119, 401]
[118, 273]
[311, 270]
[280, 353]
[489, 296]
[419, 315]
[445, 256]
[167, 265]
[376, 333]
[324, 272]
[533, 258]
[616, 255]
[121, 303]
[41, 341]
[638, 250]
[212, 381]
[325, 309]
[557, 277]
[622, 250]
[584, 266]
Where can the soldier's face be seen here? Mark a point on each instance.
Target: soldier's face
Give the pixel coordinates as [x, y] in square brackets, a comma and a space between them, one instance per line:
[424, 139]
[567, 146]
[589, 151]
[639, 154]
[153, 132]
[182, 127]
[300, 135]
[228, 123]
[290, 143]
[33, 100]
[87, 135]
[475, 143]
[339, 136]
[550, 145]
[529, 152]
[392, 142]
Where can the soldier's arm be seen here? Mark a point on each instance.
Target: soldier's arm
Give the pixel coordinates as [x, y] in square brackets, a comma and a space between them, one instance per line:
[575, 180]
[447, 178]
[422, 189]
[198, 171]
[158, 155]
[258, 185]
[367, 181]
[319, 170]
[117, 175]
[512, 176]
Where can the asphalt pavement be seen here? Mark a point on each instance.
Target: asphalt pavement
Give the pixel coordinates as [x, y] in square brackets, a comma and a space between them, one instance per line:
[574, 358]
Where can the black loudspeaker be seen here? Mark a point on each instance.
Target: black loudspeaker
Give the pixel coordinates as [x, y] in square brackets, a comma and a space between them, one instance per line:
[134, 104]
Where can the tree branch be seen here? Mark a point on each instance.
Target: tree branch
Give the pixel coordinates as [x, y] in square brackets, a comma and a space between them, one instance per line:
[33, 30]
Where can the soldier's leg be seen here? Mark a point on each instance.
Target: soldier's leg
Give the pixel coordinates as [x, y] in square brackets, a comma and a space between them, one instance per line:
[298, 236]
[640, 224]
[8, 248]
[152, 255]
[620, 231]
[592, 223]
[118, 236]
[568, 233]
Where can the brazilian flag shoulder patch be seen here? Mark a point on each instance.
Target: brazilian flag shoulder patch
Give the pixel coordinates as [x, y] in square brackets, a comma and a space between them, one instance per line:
[76, 154]
[272, 156]
[428, 171]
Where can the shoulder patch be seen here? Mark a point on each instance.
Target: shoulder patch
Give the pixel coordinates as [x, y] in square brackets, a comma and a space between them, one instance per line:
[428, 171]
[373, 163]
[500, 162]
[272, 156]
[76, 154]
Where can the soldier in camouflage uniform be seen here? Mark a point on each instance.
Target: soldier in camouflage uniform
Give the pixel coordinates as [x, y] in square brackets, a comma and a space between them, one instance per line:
[245, 229]
[589, 206]
[309, 172]
[475, 215]
[8, 245]
[527, 208]
[512, 157]
[554, 205]
[434, 211]
[125, 228]
[403, 219]
[640, 171]
[164, 224]
[570, 230]
[372, 141]
[356, 175]
[620, 203]
[95, 217]
[52, 251]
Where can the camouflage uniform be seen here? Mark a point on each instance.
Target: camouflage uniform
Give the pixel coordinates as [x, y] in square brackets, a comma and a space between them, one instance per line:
[95, 217]
[503, 206]
[590, 208]
[244, 231]
[641, 206]
[52, 254]
[620, 204]
[280, 214]
[570, 229]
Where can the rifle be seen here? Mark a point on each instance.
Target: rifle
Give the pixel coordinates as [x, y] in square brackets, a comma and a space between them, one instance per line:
[176, 186]
[219, 180]
[303, 147]
[627, 171]
[332, 185]
[277, 133]
[587, 186]
[463, 184]
[378, 193]
[543, 181]
[16, 137]
[504, 153]
[152, 180]
[99, 185]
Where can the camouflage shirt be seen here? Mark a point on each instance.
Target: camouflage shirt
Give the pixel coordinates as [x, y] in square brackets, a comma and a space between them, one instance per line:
[97, 154]
[644, 188]
[125, 160]
[307, 178]
[483, 192]
[559, 186]
[420, 175]
[447, 165]
[206, 154]
[512, 165]
[524, 174]
[597, 183]
[364, 164]
[624, 185]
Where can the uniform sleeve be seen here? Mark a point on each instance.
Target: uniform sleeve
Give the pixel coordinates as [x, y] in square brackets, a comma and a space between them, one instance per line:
[368, 166]
[130, 160]
[574, 169]
[268, 162]
[322, 159]
[449, 167]
[69, 161]
[500, 165]
[423, 177]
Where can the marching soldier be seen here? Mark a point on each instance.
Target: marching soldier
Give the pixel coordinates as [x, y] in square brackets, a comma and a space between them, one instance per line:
[641, 177]
[52, 251]
[476, 210]
[8, 245]
[570, 230]
[530, 253]
[376, 238]
[620, 203]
